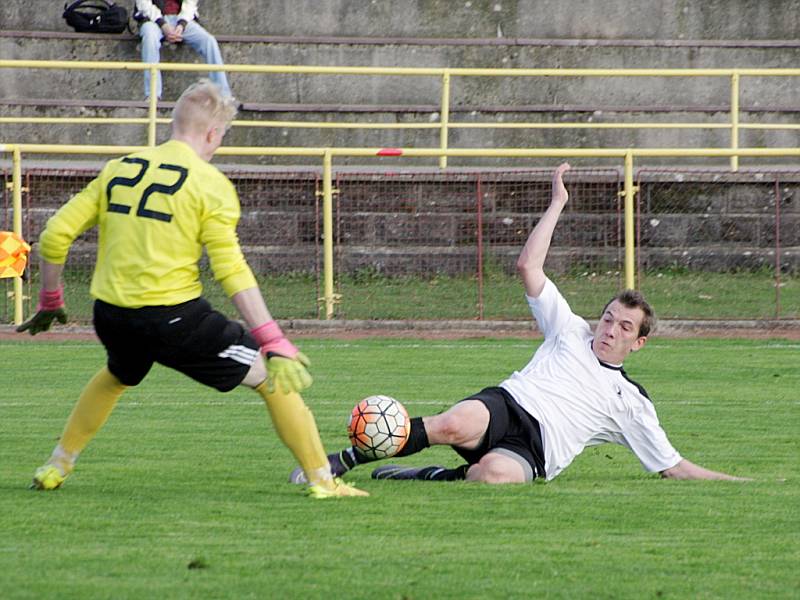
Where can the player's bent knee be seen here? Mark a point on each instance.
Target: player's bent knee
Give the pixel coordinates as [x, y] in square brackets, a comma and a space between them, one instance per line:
[447, 428]
[463, 425]
[494, 468]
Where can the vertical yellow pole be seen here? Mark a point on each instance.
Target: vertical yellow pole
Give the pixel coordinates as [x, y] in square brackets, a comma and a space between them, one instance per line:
[735, 119]
[444, 118]
[630, 248]
[152, 109]
[16, 203]
[327, 232]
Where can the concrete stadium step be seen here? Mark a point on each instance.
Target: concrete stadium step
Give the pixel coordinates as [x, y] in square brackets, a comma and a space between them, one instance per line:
[407, 90]
[280, 135]
[523, 33]
[400, 99]
[602, 19]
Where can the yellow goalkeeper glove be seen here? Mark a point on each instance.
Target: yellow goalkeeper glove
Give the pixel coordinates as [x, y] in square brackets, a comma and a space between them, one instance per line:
[289, 374]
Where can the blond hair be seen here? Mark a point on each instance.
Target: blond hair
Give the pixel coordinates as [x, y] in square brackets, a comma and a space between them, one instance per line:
[200, 106]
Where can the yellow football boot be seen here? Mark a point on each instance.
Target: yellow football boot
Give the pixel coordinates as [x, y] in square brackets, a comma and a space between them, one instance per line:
[48, 477]
[334, 489]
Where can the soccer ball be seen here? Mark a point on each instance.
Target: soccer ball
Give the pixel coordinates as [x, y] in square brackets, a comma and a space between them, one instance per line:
[379, 426]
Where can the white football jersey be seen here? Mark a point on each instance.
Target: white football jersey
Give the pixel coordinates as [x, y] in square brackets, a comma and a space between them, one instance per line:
[580, 401]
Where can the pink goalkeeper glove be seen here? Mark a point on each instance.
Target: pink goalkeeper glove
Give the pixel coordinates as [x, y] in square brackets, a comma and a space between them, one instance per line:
[51, 300]
[286, 365]
[272, 341]
[51, 307]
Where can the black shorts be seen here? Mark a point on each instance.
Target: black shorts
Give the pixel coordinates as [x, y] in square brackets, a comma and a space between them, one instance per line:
[511, 431]
[190, 337]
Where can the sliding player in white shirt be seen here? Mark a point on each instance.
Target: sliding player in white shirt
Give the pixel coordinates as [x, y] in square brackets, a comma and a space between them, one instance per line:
[573, 393]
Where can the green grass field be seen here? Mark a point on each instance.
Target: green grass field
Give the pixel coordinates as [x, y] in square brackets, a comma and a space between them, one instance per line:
[183, 494]
[674, 294]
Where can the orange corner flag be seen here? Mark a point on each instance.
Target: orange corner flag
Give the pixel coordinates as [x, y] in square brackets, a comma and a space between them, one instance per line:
[13, 254]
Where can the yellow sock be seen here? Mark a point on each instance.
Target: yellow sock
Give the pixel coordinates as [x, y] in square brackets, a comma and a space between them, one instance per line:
[298, 430]
[92, 409]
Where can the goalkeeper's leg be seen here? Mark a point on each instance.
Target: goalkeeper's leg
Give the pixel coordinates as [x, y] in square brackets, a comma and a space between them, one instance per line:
[90, 413]
[349, 458]
[297, 429]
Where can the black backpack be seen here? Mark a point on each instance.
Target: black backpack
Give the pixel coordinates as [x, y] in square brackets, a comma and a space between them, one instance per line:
[96, 16]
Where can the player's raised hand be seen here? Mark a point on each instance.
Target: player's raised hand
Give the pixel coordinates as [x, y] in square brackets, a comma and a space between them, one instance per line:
[560, 193]
[51, 308]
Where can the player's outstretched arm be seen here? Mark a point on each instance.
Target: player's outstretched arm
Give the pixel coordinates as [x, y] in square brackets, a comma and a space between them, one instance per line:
[287, 366]
[531, 260]
[51, 301]
[688, 470]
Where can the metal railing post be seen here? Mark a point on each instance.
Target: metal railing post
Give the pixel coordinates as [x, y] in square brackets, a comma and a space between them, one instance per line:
[152, 108]
[734, 119]
[444, 118]
[16, 203]
[778, 200]
[630, 248]
[327, 233]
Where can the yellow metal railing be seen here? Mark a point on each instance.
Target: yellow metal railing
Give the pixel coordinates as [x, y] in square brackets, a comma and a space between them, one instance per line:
[627, 155]
[16, 200]
[445, 75]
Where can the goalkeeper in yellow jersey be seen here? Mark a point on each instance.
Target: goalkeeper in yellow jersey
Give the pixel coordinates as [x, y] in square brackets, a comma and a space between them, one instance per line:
[156, 210]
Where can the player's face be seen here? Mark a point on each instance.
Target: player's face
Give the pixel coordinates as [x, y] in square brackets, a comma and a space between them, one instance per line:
[617, 333]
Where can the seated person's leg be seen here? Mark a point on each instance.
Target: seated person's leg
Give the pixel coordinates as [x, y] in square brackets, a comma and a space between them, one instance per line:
[151, 47]
[205, 44]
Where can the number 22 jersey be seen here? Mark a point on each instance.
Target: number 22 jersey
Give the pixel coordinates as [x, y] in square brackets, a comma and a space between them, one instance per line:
[155, 211]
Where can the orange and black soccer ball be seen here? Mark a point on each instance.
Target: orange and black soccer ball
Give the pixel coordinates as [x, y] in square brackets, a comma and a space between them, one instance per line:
[379, 426]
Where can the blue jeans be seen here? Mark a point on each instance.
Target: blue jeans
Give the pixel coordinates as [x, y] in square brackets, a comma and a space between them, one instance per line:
[198, 39]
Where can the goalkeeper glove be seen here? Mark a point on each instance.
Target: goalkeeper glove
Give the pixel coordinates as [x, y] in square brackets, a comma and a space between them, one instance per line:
[286, 365]
[272, 341]
[51, 306]
[289, 374]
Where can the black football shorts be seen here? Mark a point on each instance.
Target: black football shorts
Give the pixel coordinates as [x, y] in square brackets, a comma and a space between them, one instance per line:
[190, 337]
[511, 431]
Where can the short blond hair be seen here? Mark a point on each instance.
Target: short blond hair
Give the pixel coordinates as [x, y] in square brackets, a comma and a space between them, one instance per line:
[200, 106]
